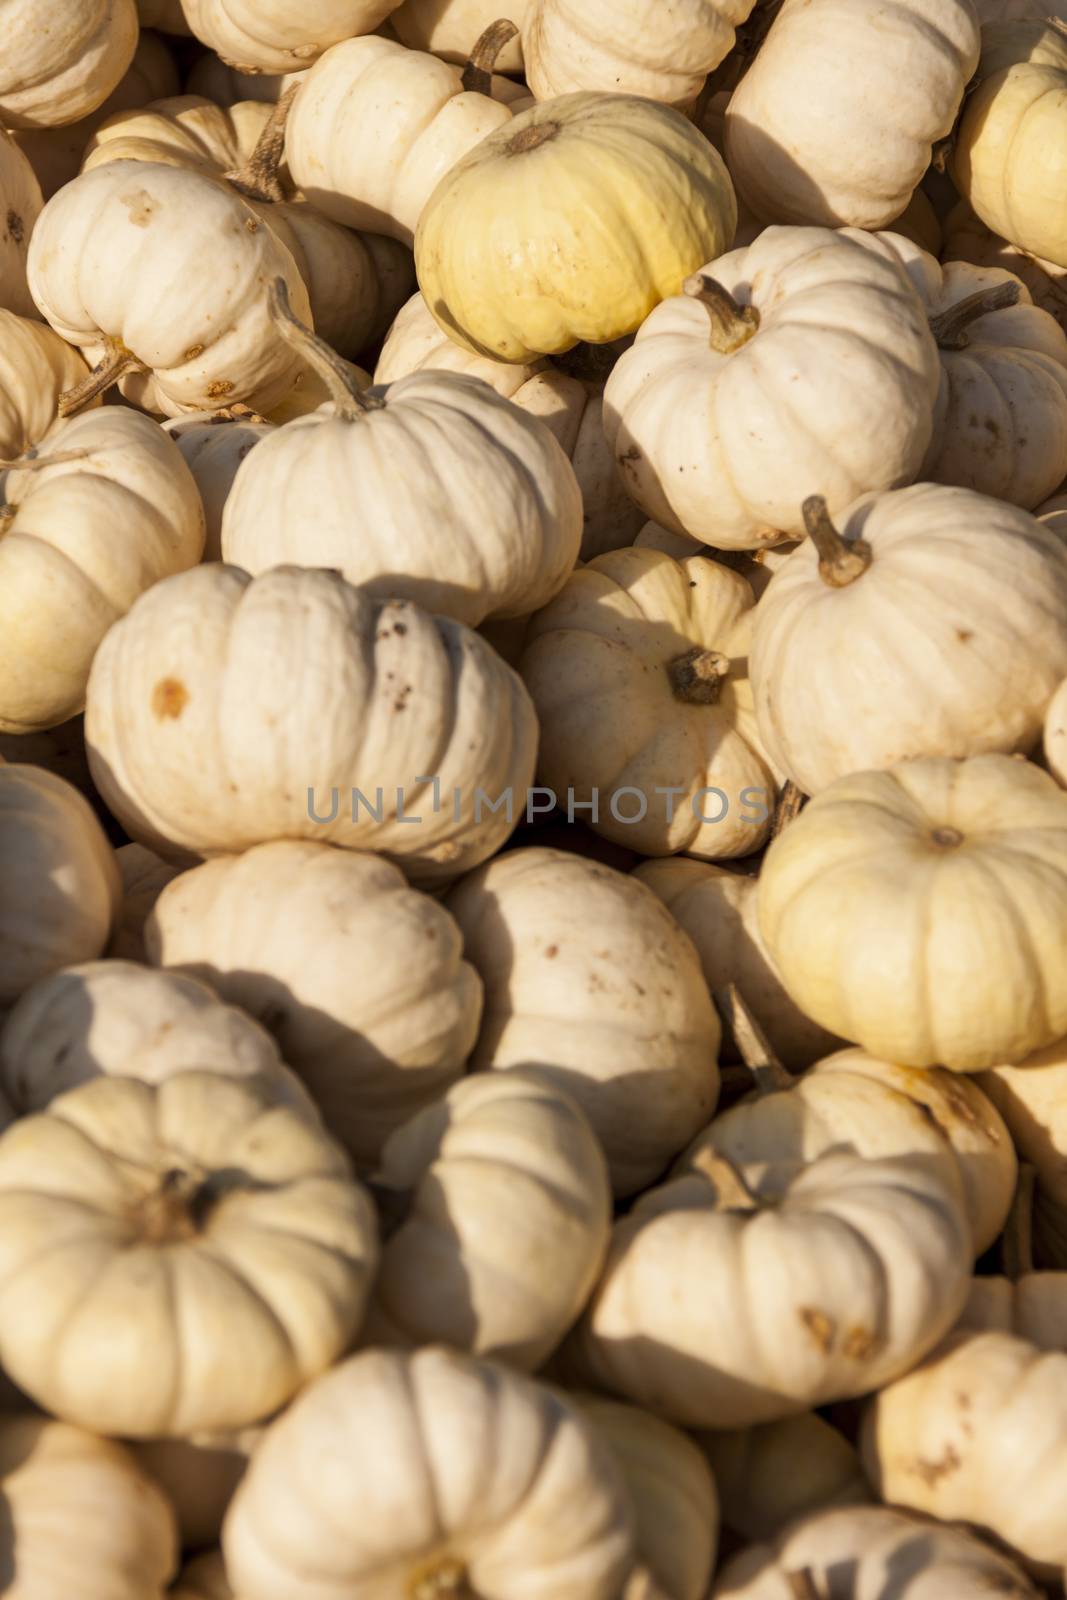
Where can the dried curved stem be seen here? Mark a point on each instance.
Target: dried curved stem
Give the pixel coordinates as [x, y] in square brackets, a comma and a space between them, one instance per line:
[732, 325]
[115, 365]
[259, 178]
[478, 72]
[949, 327]
[449, 1581]
[1017, 1246]
[790, 804]
[350, 401]
[733, 1192]
[32, 462]
[752, 1043]
[841, 561]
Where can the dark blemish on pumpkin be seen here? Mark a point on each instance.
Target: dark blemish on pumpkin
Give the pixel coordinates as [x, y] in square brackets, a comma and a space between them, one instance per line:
[963, 1400]
[193, 351]
[252, 224]
[139, 205]
[16, 228]
[219, 387]
[400, 703]
[963, 634]
[820, 1326]
[931, 1472]
[401, 628]
[859, 1344]
[551, 952]
[169, 699]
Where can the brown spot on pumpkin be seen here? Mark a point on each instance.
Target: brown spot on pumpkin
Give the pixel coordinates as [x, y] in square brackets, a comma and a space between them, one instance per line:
[931, 1472]
[860, 1343]
[551, 952]
[400, 628]
[140, 206]
[169, 699]
[820, 1326]
[252, 224]
[193, 351]
[963, 634]
[218, 387]
[16, 228]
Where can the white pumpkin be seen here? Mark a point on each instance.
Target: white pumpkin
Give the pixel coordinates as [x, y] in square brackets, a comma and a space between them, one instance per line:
[497, 1209]
[80, 1517]
[360, 978]
[119, 1019]
[451, 28]
[212, 340]
[21, 203]
[214, 443]
[588, 978]
[447, 1473]
[801, 363]
[144, 877]
[375, 125]
[635, 47]
[56, 69]
[638, 670]
[36, 366]
[858, 1266]
[80, 541]
[921, 864]
[883, 1552]
[211, 1238]
[835, 120]
[200, 702]
[61, 882]
[976, 587]
[182, 130]
[284, 38]
[717, 909]
[198, 1477]
[771, 1475]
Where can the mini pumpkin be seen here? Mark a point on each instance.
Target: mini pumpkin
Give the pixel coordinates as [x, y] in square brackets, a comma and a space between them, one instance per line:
[770, 1476]
[58, 74]
[286, 38]
[36, 366]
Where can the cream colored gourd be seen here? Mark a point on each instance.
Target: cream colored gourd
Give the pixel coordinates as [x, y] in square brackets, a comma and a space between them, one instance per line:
[212, 341]
[36, 366]
[532, 243]
[1005, 158]
[638, 672]
[319, 945]
[184, 130]
[80, 1516]
[285, 38]
[450, 1473]
[211, 1238]
[1032, 1099]
[451, 28]
[938, 1441]
[717, 909]
[770, 1476]
[118, 1019]
[633, 48]
[214, 443]
[144, 877]
[880, 1550]
[676, 1506]
[200, 702]
[57, 69]
[968, 239]
[978, 589]
[80, 541]
[571, 406]
[1031, 1305]
[374, 126]
[203, 1579]
[502, 1218]
[802, 362]
[212, 78]
[921, 863]
[860, 1267]
[590, 980]
[61, 882]
[198, 1477]
[21, 203]
[835, 121]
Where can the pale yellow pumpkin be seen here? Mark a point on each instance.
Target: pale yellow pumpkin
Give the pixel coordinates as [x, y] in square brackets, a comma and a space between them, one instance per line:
[283, 38]
[211, 1238]
[58, 68]
[21, 203]
[638, 670]
[571, 224]
[620, 1018]
[144, 876]
[956, 874]
[771, 1475]
[61, 882]
[446, 1473]
[36, 366]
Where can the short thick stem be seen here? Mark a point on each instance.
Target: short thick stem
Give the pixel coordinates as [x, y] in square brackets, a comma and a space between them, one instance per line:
[115, 365]
[349, 401]
[259, 178]
[478, 73]
[732, 325]
[752, 1043]
[790, 804]
[841, 561]
[175, 1210]
[697, 677]
[449, 1581]
[1017, 1246]
[949, 328]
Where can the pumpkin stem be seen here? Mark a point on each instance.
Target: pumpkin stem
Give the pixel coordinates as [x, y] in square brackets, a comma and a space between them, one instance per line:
[732, 1191]
[949, 327]
[478, 73]
[1017, 1246]
[803, 1585]
[841, 561]
[697, 676]
[32, 462]
[789, 807]
[177, 1209]
[752, 1043]
[115, 365]
[732, 325]
[258, 179]
[446, 1582]
[350, 402]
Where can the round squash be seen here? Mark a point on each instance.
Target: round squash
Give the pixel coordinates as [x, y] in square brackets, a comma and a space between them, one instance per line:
[284, 932]
[36, 366]
[213, 444]
[208, 1254]
[183, 130]
[976, 588]
[144, 876]
[619, 1017]
[119, 1019]
[956, 873]
[283, 37]
[62, 889]
[859, 1265]
[761, 1490]
[200, 702]
[80, 541]
[638, 671]
[21, 204]
[497, 1212]
[802, 361]
[570, 224]
[448, 1473]
[836, 119]
[58, 67]
[451, 28]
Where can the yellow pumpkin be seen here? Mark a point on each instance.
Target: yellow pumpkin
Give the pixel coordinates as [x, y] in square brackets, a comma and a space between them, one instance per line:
[571, 223]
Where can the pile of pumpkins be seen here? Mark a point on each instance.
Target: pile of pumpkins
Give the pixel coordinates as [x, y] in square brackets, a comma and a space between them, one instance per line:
[533, 799]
